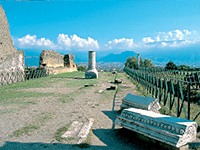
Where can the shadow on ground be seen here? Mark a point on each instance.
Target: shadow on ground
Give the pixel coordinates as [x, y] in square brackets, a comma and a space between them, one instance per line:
[76, 78]
[47, 146]
[112, 114]
[117, 139]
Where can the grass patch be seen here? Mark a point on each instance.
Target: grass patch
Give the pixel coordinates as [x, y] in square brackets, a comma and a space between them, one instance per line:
[66, 98]
[19, 97]
[25, 130]
[107, 95]
[60, 132]
[75, 74]
[6, 111]
[40, 121]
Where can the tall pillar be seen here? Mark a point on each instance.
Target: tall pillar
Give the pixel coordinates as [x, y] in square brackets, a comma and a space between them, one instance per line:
[91, 71]
[138, 60]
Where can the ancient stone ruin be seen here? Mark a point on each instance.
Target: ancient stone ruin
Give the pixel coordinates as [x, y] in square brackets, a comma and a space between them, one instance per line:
[167, 129]
[140, 102]
[91, 71]
[56, 63]
[11, 60]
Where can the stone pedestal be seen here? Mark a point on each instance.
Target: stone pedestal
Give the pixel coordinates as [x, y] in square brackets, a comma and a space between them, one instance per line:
[141, 102]
[167, 129]
[91, 71]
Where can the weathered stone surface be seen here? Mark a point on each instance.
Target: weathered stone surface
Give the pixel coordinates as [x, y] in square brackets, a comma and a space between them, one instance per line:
[170, 130]
[79, 130]
[141, 102]
[6, 45]
[117, 81]
[91, 72]
[56, 63]
[11, 60]
[69, 63]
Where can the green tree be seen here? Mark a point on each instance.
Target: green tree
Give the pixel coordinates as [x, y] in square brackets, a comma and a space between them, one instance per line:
[147, 63]
[131, 62]
[170, 66]
[183, 67]
[82, 68]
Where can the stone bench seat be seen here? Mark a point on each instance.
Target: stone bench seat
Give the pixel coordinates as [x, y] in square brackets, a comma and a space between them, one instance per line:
[141, 102]
[170, 130]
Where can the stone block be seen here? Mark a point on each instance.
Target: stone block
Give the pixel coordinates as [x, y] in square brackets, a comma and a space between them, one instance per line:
[167, 129]
[141, 102]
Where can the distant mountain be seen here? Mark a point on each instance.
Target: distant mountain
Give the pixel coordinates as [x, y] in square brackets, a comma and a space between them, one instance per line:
[118, 57]
[183, 55]
[159, 56]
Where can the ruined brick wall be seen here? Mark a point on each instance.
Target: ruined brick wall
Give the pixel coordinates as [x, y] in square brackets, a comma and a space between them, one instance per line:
[69, 63]
[51, 59]
[56, 63]
[11, 60]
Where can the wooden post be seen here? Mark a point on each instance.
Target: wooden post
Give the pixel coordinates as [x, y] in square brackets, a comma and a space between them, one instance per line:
[188, 100]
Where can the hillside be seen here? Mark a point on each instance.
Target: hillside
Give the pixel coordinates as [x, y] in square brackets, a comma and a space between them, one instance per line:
[118, 57]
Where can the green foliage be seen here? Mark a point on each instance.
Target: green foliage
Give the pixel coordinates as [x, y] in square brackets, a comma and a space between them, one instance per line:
[170, 66]
[183, 67]
[27, 129]
[82, 68]
[131, 62]
[147, 63]
[60, 132]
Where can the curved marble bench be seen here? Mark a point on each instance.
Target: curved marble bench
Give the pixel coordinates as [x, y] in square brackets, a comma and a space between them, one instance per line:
[171, 130]
[141, 102]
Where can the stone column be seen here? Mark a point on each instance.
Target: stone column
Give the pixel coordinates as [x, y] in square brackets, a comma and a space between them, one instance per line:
[138, 60]
[91, 71]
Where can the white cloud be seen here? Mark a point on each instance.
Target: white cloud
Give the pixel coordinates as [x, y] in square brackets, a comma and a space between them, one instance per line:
[122, 44]
[64, 42]
[174, 38]
[75, 42]
[148, 40]
[31, 41]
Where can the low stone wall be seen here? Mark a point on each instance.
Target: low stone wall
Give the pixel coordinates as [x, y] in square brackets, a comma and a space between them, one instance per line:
[170, 130]
[12, 68]
[11, 77]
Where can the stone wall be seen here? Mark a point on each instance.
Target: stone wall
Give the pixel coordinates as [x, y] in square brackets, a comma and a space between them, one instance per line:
[51, 59]
[11, 60]
[56, 63]
[69, 63]
[6, 44]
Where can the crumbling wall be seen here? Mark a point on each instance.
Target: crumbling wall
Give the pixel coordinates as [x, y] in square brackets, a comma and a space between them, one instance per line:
[51, 59]
[11, 60]
[69, 63]
[56, 63]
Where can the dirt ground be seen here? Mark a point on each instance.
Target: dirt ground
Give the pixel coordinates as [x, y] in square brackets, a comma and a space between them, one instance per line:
[40, 123]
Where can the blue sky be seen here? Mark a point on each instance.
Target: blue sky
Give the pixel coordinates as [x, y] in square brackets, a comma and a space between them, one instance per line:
[103, 25]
